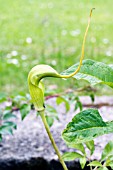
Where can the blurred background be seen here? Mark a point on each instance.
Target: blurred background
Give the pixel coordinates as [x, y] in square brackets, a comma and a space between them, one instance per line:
[51, 32]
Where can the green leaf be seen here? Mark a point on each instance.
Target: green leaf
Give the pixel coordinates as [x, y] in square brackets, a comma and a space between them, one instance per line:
[0, 137]
[90, 145]
[92, 96]
[108, 150]
[110, 164]
[8, 115]
[79, 147]
[8, 108]
[49, 120]
[51, 110]
[83, 162]
[85, 126]
[19, 98]
[52, 113]
[109, 161]
[24, 110]
[103, 168]
[60, 100]
[78, 105]
[11, 124]
[3, 97]
[94, 72]
[7, 128]
[95, 163]
[70, 156]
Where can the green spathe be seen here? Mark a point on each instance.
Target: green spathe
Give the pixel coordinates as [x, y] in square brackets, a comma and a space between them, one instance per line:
[36, 87]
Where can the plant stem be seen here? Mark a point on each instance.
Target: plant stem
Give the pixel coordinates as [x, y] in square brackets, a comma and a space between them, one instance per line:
[52, 140]
[95, 168]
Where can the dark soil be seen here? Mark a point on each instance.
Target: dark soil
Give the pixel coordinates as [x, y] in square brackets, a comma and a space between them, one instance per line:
[37, 164]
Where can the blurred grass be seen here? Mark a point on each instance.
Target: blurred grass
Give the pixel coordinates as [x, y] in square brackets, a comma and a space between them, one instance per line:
[51, 32]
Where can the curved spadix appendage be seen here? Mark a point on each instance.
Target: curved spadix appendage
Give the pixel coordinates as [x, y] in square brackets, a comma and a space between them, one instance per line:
[38, 72]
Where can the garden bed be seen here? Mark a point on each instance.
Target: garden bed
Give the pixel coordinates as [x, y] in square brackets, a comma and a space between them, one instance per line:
[29, 147]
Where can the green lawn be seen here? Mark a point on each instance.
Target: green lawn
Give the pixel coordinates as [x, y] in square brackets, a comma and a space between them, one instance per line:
[43, 31]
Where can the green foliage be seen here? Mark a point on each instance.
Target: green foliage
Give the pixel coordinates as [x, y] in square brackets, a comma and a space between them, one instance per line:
[70, 156]
[102, 164]
[23, 104]
[50, 120]
[92, 96]
[86, 126]
[107, 154]
[79, 147]
[109, 161]
[6, 122]
[78, 104]
[90, 145]
[51, 115]
[3, 97]
[7, 115]
[24, 110]
[60, 100]
[108, 151]
[80, 152]
[103, 168]
[94, 72]
[95, 163]
[7, 128]
[83, 162]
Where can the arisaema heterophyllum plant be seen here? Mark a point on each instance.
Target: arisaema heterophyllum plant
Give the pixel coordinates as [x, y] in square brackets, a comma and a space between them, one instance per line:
[92, 71]
[39, 72]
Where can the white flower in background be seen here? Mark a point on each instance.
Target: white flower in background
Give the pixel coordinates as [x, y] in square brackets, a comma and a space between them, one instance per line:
[111, 65]
[64, 32]
[14, 53]
[29, 40]
[108, 53]
[42, 6]
[24, 57]
[93, 39]
[13, 61]
[105, 41]
[50, 5]
[75, 32]
[9, 55]
[53, 62]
